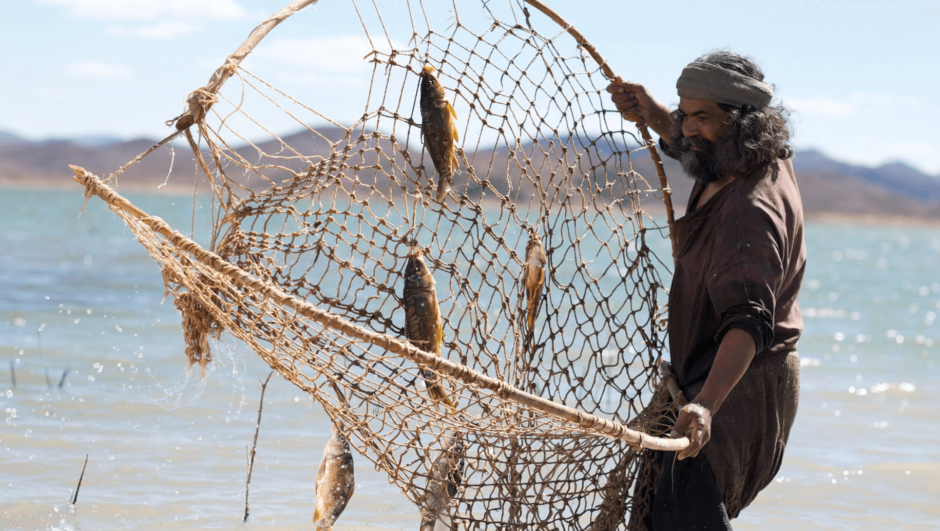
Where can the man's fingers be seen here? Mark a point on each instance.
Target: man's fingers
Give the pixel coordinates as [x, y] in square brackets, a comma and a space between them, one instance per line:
[630, 107]
[694, 423]
[632, 87]
[626, 103]
[681, 425]
[623, 94]
[697, 439]
[695, 445]
[624, 98]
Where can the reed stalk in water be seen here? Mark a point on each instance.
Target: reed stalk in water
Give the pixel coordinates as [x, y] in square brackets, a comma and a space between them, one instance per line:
[254, 445]
[82, 476]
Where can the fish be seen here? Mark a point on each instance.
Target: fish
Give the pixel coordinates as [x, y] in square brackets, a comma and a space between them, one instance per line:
[423, 326]
[439, 125]
[534, 277]
[336, 481]
[444, 480]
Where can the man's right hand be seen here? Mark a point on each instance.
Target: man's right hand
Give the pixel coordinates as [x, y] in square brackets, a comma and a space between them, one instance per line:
[694, 422]
[635, 104]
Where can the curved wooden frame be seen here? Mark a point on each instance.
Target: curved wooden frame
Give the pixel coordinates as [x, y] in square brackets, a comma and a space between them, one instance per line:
[199, 103]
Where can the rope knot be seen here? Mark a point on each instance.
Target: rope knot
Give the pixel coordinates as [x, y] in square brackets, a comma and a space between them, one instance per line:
[199, 101]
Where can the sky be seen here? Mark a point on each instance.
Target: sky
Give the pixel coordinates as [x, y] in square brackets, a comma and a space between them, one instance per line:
[861, 76]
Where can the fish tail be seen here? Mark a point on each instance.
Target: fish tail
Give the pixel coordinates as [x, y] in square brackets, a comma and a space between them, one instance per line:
[438, 393]
[436, 390]
[445, 182]
[321, 524]
[427, 521]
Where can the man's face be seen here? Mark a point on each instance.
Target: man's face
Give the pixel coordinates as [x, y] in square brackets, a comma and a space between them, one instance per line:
[704, 127]
[703, 118]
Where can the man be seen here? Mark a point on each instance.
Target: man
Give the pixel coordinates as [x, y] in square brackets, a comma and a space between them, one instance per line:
[734, 321]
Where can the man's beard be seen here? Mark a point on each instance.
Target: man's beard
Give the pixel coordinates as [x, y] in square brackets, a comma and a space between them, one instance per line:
[704, 163]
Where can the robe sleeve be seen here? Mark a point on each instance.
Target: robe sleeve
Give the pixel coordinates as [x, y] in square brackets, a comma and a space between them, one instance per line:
[747, 270]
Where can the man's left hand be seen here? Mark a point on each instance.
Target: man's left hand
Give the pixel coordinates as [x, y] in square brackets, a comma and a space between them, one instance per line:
[695, 422]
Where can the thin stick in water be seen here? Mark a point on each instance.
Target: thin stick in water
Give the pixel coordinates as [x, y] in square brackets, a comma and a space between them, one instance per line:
[65, 373]
[75, 496]
[13, 373]
[254, 445]
[44, 366]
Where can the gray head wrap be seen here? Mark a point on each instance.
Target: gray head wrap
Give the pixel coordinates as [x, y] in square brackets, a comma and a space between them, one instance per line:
[706, 81]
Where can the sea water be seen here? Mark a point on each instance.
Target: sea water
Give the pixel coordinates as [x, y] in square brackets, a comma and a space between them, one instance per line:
[97, 354]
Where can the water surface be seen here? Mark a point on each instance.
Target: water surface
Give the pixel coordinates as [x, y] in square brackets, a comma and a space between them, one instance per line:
[167, 449]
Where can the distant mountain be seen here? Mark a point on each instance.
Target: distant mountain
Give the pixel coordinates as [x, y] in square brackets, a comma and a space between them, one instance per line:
[44, 164]
[896, 176]
[827, 186]
[94, 141]
[85, 141]
[9, 138]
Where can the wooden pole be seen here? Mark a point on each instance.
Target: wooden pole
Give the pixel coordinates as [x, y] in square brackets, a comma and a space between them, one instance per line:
[669, 380]
[585, 421]
[202, 99]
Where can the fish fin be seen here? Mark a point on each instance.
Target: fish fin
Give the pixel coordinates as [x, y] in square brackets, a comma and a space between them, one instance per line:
[450, 109]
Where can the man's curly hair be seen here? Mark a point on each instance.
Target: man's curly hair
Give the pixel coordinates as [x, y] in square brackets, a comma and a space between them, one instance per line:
[758, 137]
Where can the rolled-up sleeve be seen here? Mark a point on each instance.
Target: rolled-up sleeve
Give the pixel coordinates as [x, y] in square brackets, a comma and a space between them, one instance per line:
[746, 272]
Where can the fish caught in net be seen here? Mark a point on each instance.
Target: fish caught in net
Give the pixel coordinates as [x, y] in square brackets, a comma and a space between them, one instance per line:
[464, 277]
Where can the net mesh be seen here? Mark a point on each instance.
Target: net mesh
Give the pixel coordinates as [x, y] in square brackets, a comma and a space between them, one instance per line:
[330, 215]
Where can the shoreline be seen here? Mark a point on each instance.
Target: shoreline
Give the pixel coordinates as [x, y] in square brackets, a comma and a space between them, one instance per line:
[655, 209]
[54, 186]
[882, 220]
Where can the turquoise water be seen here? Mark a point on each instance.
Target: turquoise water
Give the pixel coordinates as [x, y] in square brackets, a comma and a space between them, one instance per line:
[167, 449]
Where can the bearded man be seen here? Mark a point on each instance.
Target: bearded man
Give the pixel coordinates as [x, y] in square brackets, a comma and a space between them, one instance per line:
[733, 315]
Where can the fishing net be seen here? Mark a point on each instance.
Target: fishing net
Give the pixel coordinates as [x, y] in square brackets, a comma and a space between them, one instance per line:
[311, 233]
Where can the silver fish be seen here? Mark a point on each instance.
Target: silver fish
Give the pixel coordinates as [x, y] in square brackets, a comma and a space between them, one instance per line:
[336, 481]
[444, 480]
[534, 277]
[439, 125]
[423, 326]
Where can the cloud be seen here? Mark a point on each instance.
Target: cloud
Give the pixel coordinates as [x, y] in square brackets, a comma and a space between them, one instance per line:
[335, 62]
[823, 106]
[851, 105]
[322, 55]
[161, 31]
[96, 70]
[151, 9]
[905, 151]
[309, 79]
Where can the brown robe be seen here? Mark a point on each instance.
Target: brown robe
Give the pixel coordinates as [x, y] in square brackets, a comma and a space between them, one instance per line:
[740, 265]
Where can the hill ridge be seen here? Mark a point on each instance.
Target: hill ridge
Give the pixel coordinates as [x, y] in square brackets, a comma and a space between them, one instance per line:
[828, 186]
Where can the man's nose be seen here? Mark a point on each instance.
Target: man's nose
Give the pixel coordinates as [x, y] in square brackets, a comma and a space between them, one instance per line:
[689, 129]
